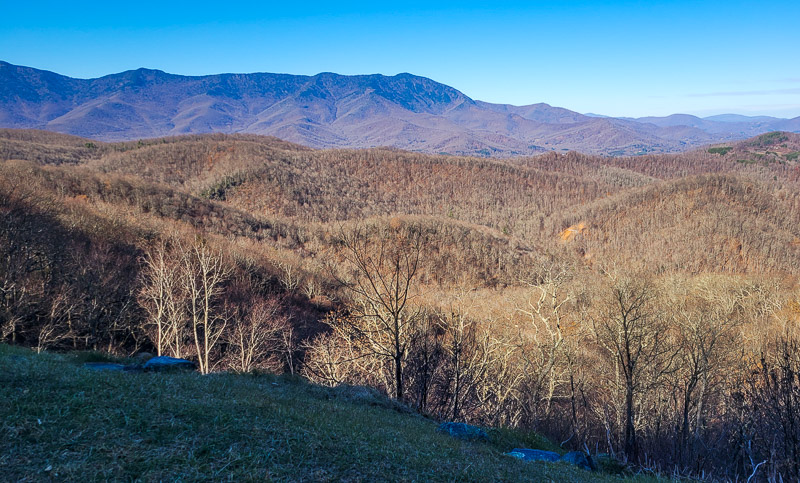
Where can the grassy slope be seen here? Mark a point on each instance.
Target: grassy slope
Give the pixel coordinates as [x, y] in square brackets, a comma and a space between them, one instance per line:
[62, 421]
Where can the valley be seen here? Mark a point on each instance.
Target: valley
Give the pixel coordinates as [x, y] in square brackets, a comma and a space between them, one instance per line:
[495, 291]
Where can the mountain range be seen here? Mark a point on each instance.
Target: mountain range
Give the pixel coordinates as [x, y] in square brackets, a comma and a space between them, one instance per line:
[328, 110]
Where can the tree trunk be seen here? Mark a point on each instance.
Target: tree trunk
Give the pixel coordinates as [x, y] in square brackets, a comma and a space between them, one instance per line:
[631, 447]
[398, 375]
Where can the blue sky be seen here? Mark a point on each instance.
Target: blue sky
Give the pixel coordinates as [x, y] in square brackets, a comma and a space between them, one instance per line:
[621, 58]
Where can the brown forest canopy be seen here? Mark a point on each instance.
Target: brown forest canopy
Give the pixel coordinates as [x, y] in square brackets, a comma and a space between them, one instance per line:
[521, 279]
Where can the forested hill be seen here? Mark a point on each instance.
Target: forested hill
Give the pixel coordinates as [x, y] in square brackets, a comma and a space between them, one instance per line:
[494, 291]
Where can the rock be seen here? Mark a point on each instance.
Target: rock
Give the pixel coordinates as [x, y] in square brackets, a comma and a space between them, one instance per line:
[534, 454]
[463, 431]
[579, 459]
[164, 363]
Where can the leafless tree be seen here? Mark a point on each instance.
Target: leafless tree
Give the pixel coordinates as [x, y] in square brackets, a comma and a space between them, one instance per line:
[289, 346]
[380, 266]
[56, 327]
[161, 297]
[542, 335]
[291, 276]
[258, 335]
[204, 272]
[705, 316]
[635, 339]
[342, 356]
[460, 349]
[497, 378]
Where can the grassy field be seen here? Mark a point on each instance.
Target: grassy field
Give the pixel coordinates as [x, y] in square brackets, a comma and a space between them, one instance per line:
[60, 421]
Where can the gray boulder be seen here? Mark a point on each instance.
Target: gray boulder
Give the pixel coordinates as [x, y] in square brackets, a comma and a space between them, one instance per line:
[579, 459]
[463, 431]
[164, 363]
[534, 454]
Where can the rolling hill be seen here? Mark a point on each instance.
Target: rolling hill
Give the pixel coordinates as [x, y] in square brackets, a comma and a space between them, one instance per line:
[506, 246]
[266, 189]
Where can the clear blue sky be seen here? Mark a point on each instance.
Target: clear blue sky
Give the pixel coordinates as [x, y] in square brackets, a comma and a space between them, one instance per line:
[621, 58]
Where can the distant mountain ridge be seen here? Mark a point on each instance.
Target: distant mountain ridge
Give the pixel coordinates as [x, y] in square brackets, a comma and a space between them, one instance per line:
[329, 110]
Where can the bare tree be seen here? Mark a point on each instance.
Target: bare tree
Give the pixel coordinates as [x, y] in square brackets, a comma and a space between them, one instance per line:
[161, 298]
[291, 276]
[289, 346]
[258, 335]
[380, 269]
[424, 362]
[204, 272]
[464, 345]
[459, 348]
[543, 336]
[343, 357]
[327, 359]
[704, 316]
[56, 327]
[497, 378]
[635, 340]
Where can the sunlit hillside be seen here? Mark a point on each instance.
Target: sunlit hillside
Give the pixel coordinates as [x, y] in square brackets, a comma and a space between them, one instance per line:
[644, 306]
